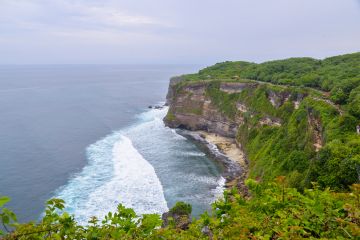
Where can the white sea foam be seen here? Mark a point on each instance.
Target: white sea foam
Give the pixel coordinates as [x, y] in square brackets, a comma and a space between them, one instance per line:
[218, 191]
[196, 154]
[134, 184]
[98, 170]
[178, 136]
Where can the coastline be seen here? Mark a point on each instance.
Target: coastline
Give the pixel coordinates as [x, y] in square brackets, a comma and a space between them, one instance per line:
[226, 152]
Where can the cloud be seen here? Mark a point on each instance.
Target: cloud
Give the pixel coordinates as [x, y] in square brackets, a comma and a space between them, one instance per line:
[108, 16]
[85, 31]
[113, 17]
[67, 16]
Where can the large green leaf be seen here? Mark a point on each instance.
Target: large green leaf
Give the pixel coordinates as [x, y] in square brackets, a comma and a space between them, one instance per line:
[4, 200]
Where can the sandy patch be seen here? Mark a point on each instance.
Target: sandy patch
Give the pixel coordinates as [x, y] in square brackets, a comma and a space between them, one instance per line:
[226, 146]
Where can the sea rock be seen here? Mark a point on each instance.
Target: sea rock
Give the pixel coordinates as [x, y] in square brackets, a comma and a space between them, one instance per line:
[180, 221]
[156, 107]
[206, 231]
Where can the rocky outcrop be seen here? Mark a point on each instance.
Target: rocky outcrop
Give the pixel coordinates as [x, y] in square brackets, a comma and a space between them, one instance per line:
[235, 87]
[274, 122]
[178, 216]
[316, 129]
[278, 99]
[177, 220]
[171, 89]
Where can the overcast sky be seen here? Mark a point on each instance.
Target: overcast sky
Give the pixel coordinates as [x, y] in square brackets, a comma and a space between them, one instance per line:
[175, 31]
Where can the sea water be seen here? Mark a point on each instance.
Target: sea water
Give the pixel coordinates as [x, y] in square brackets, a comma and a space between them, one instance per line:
[84, 133]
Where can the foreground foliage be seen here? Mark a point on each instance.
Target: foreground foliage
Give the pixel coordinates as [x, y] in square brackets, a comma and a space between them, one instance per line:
[273, 211]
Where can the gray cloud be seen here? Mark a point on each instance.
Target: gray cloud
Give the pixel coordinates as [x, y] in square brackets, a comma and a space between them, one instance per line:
[163, 31]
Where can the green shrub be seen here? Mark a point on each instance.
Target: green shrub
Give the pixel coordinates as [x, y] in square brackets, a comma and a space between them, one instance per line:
[181, 208]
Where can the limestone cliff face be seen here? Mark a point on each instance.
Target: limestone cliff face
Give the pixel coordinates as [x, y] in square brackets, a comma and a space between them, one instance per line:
[171, 89]
[190, 108]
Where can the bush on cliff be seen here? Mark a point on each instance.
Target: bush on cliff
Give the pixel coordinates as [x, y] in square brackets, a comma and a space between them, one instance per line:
[181, 208]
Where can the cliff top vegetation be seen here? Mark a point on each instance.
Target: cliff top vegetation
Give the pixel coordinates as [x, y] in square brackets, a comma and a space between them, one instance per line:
[339, 76]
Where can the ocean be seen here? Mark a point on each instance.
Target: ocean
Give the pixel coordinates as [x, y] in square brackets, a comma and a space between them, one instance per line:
[84, 133]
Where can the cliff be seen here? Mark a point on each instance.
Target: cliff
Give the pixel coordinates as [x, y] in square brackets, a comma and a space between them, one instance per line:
[284, 130]
[192, 109]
